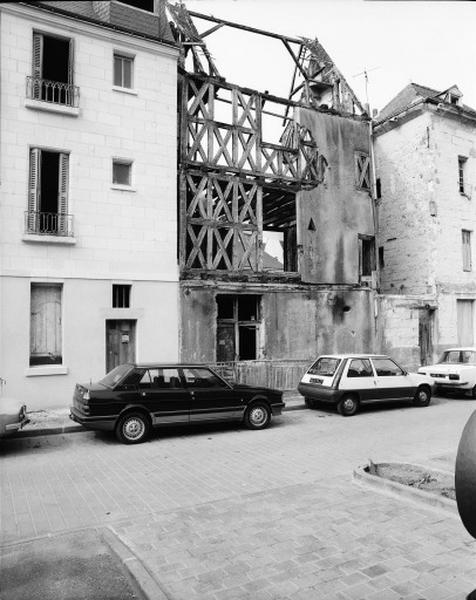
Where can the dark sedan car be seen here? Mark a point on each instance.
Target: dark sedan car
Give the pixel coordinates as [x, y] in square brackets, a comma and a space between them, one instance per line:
[133, 398]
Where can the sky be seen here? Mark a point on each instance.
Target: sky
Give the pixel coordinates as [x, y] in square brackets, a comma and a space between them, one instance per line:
[432, 43]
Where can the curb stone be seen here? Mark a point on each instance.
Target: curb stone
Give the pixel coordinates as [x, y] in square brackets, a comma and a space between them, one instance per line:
[294, 404]
[148, 586]
[393, 488]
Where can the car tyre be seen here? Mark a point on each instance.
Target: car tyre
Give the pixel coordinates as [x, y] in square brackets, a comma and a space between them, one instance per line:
[348, 405]
[422, 396]
[257, 416]
[133, 428]
[310, 403]
[473, 393]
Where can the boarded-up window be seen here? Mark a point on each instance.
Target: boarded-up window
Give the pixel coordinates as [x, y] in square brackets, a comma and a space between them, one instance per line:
[362, 171]
[466, 240]
[465, 322]
[45, 324]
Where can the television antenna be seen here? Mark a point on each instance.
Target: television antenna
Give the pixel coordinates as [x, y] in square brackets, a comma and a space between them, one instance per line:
[365, 73]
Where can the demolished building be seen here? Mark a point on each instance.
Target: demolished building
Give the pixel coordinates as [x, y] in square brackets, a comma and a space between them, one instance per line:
[308, 191]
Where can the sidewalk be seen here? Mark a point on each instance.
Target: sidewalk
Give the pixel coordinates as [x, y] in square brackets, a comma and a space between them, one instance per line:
[51, 421]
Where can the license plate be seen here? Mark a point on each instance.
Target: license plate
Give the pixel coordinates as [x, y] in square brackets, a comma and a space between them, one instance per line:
[316, 380]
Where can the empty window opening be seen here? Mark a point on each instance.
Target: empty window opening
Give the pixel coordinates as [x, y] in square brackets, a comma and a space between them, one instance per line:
[121, 296]
[279, 230]
[45, 324]
[147, 5]
[381, 257]
[461, 173]
[362, 170]
[123, 70]
[366, 256]
[466, 243]
[52, 69]
[238, 324]
[378, 187]
[121, 172]
[48, 193]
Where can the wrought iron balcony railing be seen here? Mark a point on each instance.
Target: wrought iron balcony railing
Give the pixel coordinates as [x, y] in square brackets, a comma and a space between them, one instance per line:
[54, 92]
[44, 223]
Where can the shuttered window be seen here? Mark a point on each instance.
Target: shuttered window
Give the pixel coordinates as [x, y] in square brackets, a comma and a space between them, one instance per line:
[45, 324]
[48, 192]
[466, 240]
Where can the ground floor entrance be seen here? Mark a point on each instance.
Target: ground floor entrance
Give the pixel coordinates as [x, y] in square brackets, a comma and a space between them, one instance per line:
[120, 342]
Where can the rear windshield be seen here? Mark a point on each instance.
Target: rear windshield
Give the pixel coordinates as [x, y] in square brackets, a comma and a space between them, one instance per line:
[324, 366]
[114, 376]
[467, 357]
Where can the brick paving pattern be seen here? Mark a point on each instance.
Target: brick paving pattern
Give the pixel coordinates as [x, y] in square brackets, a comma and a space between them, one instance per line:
[221, 513]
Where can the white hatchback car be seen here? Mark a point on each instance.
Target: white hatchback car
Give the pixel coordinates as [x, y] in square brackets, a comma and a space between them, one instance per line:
[348, 380]
[454, 372]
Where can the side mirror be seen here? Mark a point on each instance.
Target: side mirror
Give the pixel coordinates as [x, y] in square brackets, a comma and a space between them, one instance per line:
[465, 476]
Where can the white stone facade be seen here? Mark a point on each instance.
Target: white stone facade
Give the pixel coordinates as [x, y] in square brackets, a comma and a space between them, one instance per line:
[422, 213]
[121, 234]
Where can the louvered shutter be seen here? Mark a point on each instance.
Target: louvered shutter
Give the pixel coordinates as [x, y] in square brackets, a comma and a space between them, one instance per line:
[37, 63]
[34, 190]
[71, 100]
[63, 193]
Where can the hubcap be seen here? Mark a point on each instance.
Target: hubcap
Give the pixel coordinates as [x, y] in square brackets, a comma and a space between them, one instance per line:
[133, 428]
[258, 416]
[349, 404]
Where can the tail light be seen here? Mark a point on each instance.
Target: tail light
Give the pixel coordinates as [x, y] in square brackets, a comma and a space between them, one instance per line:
[453, 376]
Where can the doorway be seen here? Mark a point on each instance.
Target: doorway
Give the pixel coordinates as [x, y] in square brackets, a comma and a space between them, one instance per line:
[465, 320]
[425, 335]
[120, 342]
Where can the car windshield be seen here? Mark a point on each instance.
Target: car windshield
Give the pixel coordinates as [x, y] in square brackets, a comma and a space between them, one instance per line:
[324, 366]
[459, 357]
[116, 375]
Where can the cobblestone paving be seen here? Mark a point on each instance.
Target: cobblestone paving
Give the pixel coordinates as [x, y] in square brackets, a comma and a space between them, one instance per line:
[221, 513]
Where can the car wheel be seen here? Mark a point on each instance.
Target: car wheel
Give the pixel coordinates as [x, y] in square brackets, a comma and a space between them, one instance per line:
[310, 403]
[133, 428]
[257, 416]
[422, 396]
[348, 406]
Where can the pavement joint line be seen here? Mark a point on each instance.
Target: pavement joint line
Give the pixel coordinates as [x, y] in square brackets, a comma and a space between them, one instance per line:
[149, 587]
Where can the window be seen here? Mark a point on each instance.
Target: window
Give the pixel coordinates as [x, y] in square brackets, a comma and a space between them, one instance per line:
[121, 172]
[362, 171]
[366, 255]
[45, 324]
[381, 257]
[47, 212]
[238, 324]
[121, 296]
[360, 367]
[325, 366]
[385, 367]
[466, 240]
[461, 172]
[160, 378]
[52, 70]
[123, 70]
[378, 187]
[202, 378]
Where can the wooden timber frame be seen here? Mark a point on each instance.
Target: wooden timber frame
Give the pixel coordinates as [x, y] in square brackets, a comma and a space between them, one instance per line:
[226, 169]
[233, 183]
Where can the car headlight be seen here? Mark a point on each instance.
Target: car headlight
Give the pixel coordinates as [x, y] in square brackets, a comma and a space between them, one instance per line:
[86, 396]
[453, 376]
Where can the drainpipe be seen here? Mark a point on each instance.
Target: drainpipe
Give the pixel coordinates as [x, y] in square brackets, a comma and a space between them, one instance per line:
[373, 199]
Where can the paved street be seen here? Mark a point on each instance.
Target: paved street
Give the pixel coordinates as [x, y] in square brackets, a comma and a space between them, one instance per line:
[222, 512]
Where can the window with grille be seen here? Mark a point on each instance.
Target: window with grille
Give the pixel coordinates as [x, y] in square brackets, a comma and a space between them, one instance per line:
[121, 172]
[466, 240]
[47, 212]
[461, 173]
[52, 70]
[123, 71]
[121, 296]
[362, 171]
[45, 324]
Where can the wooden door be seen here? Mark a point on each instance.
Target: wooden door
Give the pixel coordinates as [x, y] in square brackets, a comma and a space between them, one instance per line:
[464, 315]
[120, 343]
[425, 337]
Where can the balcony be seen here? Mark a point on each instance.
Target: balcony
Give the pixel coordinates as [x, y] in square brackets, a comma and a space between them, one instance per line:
[52, 96]
[48, 227]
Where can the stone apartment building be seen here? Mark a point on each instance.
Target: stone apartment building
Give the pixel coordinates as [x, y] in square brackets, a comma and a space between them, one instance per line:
[88, 220]
[425, 148]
